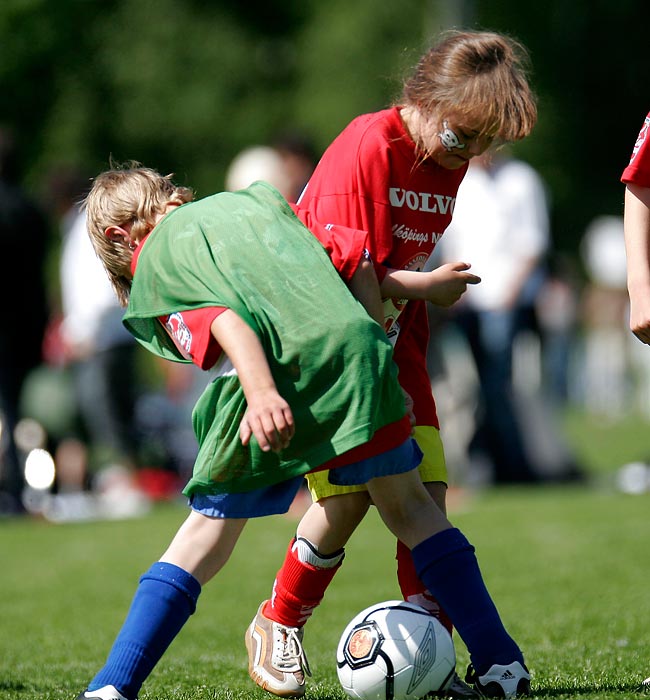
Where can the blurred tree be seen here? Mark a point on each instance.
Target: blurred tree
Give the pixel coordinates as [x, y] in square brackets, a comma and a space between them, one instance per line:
[183, 85]
[353, 56]
[590, 69]
[40, 46]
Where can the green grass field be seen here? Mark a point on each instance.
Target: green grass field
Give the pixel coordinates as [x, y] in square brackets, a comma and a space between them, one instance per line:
[567, 566]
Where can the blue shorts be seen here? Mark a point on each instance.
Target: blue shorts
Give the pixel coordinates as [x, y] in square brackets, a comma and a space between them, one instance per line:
[400, 459]
[276, 499]
[269, 500]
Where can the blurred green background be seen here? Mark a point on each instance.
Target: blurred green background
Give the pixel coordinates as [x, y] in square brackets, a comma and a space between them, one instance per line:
[183, 85]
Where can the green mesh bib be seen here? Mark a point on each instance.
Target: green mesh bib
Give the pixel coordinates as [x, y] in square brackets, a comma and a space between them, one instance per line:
[247, 251]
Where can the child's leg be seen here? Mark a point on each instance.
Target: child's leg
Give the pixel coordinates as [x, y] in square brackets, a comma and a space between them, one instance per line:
[410, 584]
[406, 507]
[276, 660]
[446, 563]
[314, 556]
[203, 545]
[165, 599]
[433, 472]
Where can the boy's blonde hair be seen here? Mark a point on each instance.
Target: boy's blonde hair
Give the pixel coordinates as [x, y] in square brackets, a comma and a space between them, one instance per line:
[480, 77]
[127, 194]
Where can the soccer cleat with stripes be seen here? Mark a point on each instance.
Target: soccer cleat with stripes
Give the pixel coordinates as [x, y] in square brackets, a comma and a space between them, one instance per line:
[276, 659]
[501, 681]
[108, 692]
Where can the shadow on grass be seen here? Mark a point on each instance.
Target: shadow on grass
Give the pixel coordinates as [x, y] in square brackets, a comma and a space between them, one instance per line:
[326, 691]
[17, 686]
[591, 690]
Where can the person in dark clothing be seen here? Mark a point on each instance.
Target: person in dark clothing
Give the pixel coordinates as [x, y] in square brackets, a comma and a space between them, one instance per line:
[23, 236]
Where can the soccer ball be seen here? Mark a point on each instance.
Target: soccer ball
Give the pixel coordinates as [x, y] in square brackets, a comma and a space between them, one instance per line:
[394, 651]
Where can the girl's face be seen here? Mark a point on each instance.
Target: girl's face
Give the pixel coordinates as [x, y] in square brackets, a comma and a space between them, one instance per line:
[452, 142]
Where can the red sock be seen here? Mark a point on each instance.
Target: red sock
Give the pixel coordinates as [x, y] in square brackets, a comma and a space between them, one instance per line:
[413, 590]
[298, 589]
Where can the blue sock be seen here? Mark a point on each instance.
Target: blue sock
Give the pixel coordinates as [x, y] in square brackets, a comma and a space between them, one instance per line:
[447, 566]
[162, 604]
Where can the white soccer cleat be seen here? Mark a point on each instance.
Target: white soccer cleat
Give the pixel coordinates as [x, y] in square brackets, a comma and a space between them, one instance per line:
[501, 681]
[108, 692]
[276, 659]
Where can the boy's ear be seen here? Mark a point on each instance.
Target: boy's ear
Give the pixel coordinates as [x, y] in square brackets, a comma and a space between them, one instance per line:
[117, 233]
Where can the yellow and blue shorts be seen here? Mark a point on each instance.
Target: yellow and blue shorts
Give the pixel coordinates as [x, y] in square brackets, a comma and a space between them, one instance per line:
[277, 498]
[432, 467]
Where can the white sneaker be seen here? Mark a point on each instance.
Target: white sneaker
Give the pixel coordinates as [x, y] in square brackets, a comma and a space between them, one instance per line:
[108, 692]
[509, 681]
[276, 659]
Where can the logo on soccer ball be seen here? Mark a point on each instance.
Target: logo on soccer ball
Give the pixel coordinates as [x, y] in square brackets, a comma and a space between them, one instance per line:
[424, 659]
[362, 645]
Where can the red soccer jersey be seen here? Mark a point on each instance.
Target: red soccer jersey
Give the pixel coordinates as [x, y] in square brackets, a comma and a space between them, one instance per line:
[372, 178]
[638, 169]
[345, 246]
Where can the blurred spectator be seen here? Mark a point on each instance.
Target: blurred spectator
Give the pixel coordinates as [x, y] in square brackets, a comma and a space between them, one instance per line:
[98, 351]
[101, 352]
[501, 228]
[24, 234]
[299, 157]
[287, 164]
[605, 311]
[557, 309]
[259, 163]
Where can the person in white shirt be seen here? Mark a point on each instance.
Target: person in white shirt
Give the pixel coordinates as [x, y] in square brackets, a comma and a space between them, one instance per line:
[100, 351]
[500, 226]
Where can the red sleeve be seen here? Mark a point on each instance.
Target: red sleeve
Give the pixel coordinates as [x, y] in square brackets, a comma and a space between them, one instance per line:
[351, 183]
[638, 170]
[190, 331]
[345, 246]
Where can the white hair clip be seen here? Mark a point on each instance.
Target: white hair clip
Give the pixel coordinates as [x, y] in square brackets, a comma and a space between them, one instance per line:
[448, 138]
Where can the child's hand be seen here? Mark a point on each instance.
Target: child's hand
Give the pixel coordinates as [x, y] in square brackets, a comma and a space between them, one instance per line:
[408, 403]
[447, 283]
[640, 317]
[269, 418]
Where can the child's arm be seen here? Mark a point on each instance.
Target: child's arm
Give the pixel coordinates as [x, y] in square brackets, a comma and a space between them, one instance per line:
[637, 246]
[443, 286]
[268, 416]
[364, 286]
